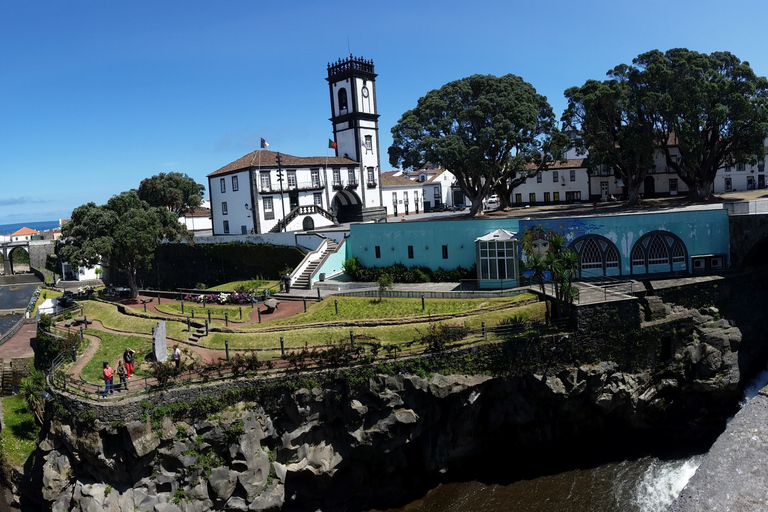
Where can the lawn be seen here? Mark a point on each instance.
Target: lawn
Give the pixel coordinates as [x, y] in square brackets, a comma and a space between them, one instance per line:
[111, 349]
[360, 308]
[385, 334]
[17, 439]
[266, 337]
[217, 311]
[111, 318]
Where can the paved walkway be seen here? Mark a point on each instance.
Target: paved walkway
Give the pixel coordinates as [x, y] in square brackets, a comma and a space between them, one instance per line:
[20, 344]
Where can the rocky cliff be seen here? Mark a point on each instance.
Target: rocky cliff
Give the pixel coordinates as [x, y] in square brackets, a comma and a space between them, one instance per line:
[352, 446]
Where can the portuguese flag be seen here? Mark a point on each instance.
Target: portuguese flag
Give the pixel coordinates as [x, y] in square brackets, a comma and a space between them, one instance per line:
[331, 144]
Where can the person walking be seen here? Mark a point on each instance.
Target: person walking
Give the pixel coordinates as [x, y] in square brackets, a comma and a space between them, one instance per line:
[177, 356]
[121, 372]
[108, 373]
[128, 358]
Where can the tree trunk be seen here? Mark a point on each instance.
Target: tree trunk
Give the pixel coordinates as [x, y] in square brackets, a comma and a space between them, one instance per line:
[700, 192]
[476, 210]
[131, 275]
[633, 195]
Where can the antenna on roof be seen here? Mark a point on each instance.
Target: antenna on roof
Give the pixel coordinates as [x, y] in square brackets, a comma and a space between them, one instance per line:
[349, 49]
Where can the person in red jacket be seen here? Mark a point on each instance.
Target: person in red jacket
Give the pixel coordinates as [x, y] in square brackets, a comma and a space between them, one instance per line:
[128, 358]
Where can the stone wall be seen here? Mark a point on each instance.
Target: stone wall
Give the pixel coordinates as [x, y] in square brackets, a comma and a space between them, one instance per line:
[39, 251]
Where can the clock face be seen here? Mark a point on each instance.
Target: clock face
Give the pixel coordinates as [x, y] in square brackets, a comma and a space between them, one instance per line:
[365, 92]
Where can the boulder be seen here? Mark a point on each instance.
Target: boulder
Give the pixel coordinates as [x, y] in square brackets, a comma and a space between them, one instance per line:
[57, 473]
[222, 482]
[143, 438]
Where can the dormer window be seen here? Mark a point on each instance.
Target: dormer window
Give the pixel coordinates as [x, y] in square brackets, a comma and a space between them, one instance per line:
[422, 177]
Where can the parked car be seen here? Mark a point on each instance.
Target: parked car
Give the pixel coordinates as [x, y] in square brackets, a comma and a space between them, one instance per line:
[458, 207]
[440, 208]
[494, 199]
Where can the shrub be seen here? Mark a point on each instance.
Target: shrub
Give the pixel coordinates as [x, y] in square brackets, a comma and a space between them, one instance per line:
[437, 337]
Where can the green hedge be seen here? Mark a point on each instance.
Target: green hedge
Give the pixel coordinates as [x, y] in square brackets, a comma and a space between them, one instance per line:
[402, 274]
[183, 266]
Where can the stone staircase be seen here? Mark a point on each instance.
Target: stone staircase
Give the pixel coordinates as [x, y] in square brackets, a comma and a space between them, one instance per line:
[196, 335]
[7, 377]
[303, 281]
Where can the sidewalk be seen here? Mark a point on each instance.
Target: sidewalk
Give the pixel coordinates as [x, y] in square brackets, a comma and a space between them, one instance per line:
[21, 344]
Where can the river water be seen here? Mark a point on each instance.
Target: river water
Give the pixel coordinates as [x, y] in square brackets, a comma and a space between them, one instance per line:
[628, 483]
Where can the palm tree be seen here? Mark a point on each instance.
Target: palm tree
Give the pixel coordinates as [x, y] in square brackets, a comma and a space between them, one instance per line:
[539, 268]
[31, 390]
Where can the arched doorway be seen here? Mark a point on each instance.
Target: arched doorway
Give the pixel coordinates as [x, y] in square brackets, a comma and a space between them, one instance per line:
[347, 206]
[308, 224]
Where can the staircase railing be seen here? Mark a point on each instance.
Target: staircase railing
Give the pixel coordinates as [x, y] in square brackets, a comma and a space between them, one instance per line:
[319, 256]
[308, 209]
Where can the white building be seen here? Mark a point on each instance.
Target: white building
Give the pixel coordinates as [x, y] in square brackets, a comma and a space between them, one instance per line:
[406, 192]
[266, 191]
[564, 182]
[198, 221]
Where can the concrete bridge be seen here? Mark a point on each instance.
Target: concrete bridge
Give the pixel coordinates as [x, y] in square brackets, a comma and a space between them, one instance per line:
[38, 251]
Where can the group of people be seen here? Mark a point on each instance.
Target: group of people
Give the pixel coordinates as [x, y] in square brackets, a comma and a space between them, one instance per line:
[123, 372]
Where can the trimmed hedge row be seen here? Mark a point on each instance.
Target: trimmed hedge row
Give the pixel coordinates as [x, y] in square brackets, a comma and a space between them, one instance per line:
[184, 266]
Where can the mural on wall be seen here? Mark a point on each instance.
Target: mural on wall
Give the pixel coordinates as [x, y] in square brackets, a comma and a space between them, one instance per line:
[634, 244]
[535, 241]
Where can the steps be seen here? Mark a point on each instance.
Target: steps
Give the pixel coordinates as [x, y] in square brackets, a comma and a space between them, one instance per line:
[196, 335]
[7, 377]
[303, 281]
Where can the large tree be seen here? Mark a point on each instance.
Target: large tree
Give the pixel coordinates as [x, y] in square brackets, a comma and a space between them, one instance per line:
[175, 191]
[124, 233]
[484, 129]
[616, 131]
[710, 111]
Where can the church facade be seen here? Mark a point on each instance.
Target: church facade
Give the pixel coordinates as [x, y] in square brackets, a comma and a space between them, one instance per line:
[266, 191]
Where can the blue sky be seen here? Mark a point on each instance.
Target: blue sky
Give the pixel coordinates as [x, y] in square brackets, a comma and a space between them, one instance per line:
[97, 95]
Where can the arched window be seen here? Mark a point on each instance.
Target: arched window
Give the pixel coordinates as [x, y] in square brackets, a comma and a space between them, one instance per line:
[659, 251]
[638, 256]
[342, 101]
[597, 256]
[591, 256]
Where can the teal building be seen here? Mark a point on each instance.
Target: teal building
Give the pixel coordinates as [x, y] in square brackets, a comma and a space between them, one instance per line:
[631, 245]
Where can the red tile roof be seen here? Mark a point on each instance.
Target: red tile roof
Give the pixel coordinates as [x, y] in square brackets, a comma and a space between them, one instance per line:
[25, 231]
[268, 159]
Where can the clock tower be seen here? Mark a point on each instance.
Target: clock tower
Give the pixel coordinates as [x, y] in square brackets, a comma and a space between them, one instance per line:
[352, 85]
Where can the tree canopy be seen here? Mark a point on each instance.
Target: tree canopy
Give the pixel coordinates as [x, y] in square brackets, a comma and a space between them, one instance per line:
[708, 111]
[175, 191]
[124, 233]
[616, 130]
[484, 129]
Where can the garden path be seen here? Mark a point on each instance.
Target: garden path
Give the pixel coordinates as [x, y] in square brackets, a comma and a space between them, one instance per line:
[206, 355]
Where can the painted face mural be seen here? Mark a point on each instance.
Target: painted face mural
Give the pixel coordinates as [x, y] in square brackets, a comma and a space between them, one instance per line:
[535, 242]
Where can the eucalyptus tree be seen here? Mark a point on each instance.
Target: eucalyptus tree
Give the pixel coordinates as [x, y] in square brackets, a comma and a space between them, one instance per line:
[483, 129]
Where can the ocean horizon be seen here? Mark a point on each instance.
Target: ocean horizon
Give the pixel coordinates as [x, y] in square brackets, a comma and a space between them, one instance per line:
[44, 225]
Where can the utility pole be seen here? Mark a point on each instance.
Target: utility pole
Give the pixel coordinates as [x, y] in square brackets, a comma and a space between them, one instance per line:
[280, 180]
